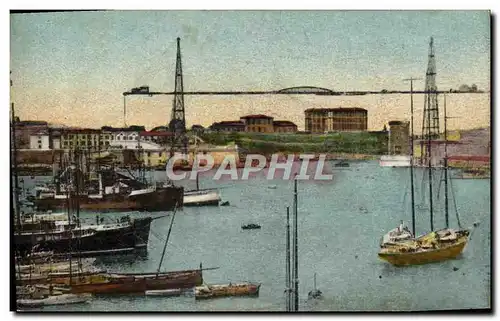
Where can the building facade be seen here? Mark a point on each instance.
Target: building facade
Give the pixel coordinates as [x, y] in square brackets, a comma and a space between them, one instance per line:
[399, 138]
[81, 138]
[228, 126]
[158, 137]
[258, 123]
[349, 119]
[284, 126]
[322, 120]
[40, 140]
[316, 120]
[24, 129]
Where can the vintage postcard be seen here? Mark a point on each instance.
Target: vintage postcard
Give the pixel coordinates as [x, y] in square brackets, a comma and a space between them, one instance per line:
[243, 161]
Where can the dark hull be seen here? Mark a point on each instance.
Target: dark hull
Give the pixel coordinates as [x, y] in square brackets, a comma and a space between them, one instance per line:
[126, 284]
[204, 203]
[131, 236]
[163, 199]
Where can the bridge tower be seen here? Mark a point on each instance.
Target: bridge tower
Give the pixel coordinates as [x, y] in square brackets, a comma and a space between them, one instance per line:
[430, 124]
[177, 126]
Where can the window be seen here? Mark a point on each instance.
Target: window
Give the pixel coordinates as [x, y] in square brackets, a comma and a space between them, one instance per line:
[39, 146]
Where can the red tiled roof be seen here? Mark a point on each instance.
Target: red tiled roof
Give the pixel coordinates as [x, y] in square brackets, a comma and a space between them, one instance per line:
[154, 133]
[81, 130]
[229, 123]
[339, 109]
[256, 116]
[477, 158]
[283, 123]
[437, 142]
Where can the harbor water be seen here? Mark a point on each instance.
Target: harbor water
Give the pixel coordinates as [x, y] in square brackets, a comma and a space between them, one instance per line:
[340, 225]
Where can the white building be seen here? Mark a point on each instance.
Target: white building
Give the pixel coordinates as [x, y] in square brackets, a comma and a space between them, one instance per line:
[40, 141]
[133, 143]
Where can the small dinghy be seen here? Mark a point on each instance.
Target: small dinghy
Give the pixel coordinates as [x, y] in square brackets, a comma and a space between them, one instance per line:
[226, 290]
[342, 164]
[168, 292]
[398, 234]
[69, 298]
[315, 293]
[250, 226]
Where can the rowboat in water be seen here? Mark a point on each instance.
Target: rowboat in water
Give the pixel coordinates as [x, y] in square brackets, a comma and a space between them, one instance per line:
[62, 299]
[168, 292]
[226, 290]
[139, 283]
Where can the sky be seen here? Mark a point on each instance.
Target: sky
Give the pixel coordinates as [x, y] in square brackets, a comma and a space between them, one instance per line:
[72, 68]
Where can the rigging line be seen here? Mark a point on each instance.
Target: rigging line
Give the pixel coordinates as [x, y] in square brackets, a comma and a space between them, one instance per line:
[441, 179]
[455, 203]
[404, 196]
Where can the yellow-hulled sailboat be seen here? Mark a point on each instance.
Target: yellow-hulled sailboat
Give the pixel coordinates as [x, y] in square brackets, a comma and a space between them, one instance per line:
[400, 247]
[433, 247]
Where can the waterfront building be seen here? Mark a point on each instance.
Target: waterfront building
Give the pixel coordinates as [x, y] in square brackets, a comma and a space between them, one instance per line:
[40, 140]
[158, 137]
[27, 128]
[321, 120]
[258, 123]
[349, 119]
[399, 137]
[197, 129]
[81, 138]
[284, 126]
[228, 126]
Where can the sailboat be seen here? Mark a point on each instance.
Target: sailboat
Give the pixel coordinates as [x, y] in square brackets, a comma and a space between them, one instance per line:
[438, 245]
[200, 197]
[315, 293]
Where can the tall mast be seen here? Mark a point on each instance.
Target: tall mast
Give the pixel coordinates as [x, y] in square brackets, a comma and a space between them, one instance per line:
[177, 124]
[446, 210]
[411, 159]
[430, 125]
[14, 165]
[296, 250]
[288, 278]
[166, 241]
[429, 169]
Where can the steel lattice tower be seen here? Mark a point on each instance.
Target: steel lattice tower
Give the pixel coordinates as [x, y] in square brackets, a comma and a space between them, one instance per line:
[177, 124]
[430, 124]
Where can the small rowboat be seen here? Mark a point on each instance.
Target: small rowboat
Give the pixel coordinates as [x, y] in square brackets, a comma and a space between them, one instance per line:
[54, 300]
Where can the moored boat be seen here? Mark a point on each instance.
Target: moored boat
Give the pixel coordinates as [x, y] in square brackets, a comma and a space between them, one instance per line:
[395, 161]
[398, 234]
[56, 236]
[139, 283]
[168, 292]
[226, 290]
[62, 299]
[113, 191]
[436, 246]
[251, 226]
[201, 197]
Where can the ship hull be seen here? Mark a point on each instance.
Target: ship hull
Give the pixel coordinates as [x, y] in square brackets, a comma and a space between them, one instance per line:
[126, 284]
[202, 198]
[162, 199]
[395, 161]
[133, 235]
[220, 291]
[424, 257]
